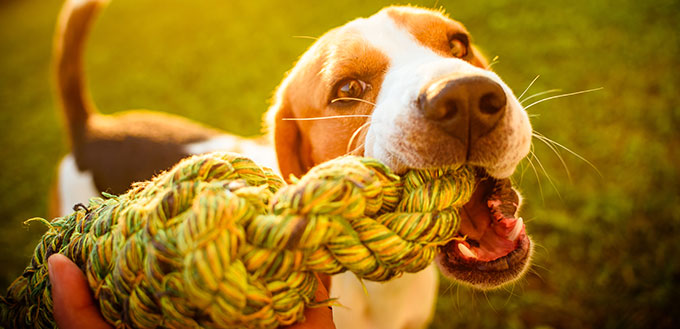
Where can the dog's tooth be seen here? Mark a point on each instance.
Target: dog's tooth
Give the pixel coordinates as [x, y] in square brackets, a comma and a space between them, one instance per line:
[516, 230]
[466, 251]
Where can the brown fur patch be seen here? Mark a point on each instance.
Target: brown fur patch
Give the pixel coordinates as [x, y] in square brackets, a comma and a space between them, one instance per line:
[434, 30]
[307, 93]
[133, 146]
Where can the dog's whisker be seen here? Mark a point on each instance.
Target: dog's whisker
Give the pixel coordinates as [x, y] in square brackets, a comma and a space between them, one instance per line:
[328, 117]
[552, 147]
[555, 150]
[513, 182]
[448, 290]
[547, 251]
[488, 301]
[511, 293]
[354, 136]
[561, 96]
[536, 273]
[523, 170]
[440, 9]
[540, 94]
[457, 297]
[546, 139]
[305, 37]
[550, 180]
[533, 166]
[527, 88]
[352, 99]
[494, 61]
[356, 149]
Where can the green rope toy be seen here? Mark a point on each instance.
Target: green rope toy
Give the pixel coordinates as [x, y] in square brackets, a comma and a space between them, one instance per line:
[219, 242]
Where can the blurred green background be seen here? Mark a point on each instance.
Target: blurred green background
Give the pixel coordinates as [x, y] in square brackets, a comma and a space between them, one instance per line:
[608, 246]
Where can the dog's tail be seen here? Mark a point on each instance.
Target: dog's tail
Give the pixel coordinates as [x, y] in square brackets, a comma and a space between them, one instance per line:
[73, 25]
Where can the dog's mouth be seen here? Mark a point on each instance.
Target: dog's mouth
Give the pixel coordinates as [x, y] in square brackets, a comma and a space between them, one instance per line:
[492, 247]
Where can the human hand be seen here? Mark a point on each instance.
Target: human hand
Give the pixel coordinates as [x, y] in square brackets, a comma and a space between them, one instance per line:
[72, 299]
[75, 308]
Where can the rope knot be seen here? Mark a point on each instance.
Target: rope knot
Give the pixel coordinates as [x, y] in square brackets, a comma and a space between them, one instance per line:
[218, 241]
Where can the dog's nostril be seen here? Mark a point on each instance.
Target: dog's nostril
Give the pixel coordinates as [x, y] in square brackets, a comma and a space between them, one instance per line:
[420, 101]
[492, 103]
[466, 108]
[451, 109]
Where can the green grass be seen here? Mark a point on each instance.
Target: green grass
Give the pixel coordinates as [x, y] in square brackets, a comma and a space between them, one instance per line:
[607, 245]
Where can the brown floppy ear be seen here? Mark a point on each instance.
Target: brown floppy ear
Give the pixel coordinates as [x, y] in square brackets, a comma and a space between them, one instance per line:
[285, 136]
[478, 59]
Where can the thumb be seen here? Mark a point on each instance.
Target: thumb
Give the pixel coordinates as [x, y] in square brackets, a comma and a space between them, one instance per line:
[74, 306]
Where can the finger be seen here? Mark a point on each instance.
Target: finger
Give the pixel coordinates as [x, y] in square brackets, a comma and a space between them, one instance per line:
[318, 317]
[74, 306]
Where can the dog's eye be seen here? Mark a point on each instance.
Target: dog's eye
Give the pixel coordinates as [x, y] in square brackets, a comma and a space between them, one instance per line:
[459, 45]
[350, 89]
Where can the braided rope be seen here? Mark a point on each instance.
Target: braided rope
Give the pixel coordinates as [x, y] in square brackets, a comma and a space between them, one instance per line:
[218, 241]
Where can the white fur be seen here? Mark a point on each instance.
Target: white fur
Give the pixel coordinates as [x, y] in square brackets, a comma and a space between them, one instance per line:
[262, 153]
[406, 302]
[220, 143]
[75, 186]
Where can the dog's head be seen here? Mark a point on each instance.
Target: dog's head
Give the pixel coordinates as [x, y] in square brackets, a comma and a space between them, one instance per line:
[407, 87]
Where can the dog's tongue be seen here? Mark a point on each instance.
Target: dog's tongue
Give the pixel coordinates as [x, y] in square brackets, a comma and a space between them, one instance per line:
[488, 229]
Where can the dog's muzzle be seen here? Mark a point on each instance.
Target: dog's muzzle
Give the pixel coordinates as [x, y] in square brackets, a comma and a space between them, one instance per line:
[466, 108]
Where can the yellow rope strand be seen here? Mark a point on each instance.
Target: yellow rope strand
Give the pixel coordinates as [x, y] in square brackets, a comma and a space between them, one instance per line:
[218, 241]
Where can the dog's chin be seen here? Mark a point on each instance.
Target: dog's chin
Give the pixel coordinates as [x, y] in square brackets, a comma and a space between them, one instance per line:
[492, 247]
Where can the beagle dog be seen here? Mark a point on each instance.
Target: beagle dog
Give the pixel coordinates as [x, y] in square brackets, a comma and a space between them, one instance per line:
[405, 86]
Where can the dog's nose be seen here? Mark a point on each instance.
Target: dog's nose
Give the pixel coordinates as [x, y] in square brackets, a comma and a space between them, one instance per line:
[465, 107]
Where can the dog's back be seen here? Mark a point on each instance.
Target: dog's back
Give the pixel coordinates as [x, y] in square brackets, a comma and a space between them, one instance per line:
[109, 152]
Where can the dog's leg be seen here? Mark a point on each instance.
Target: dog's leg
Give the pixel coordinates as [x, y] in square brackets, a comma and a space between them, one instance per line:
[73, 186]
[403, 303]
